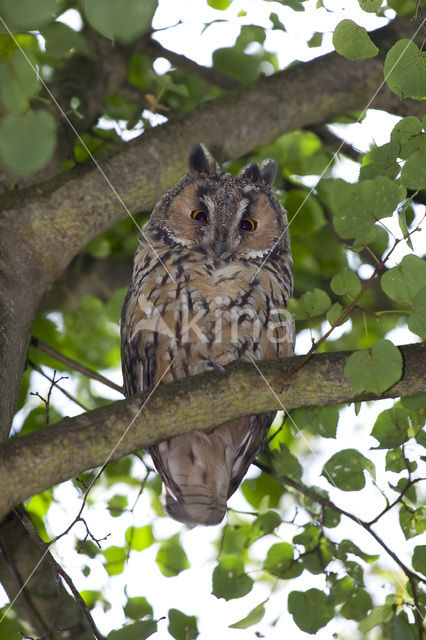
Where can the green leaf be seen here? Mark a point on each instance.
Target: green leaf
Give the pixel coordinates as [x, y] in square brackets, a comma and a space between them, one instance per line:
[10, 627]
[412, 521]
[123, 21]
[255, 489]
[357, 605]
[309, 537]
[181, 626]
[340, 588]
[358, 206]
[117, 505]
[60, 39]
[405, 70]
[410, 494]
[139, 538]
[236, 64]
[265, 523]
[381, 161]
[27, 141]
[419, 558]
[417, 320]
[396, 462]
[404, 281]
[171, 558]
[405, 129]
[296, 5]
[249, 34]
[377, 616]
[403, 7]
[229, 578]
[318, 420]
[23, 15]
[304, 212]
[90, 597]
[315, 41]
[330, 519]
[355, 571]
[398, 628]
[137, 608]
[135, 631]
[252, 618]
[310, 609]
[18, 81]
[402, 221]
[345, 470]
[334, 313]
[285, 463]
[391, 427]
[220, 5]
[317, 561]
[311, 304]
[115, 558]
[413, 173]
[277, 24]
[412, 146]
[346, 283]
[353, 41]
[372, 6]
[280, 559]
[347, 546]
[375, 369]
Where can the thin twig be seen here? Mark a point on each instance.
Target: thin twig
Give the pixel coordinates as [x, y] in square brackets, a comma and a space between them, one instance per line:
[390, 505]
[53, 383]
[68, 395]
[58, 571]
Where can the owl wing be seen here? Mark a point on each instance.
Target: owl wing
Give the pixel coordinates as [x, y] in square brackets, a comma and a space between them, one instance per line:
[138, 360]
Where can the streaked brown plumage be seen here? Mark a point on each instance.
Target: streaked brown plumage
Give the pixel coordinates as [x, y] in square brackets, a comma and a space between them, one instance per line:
[211, 233]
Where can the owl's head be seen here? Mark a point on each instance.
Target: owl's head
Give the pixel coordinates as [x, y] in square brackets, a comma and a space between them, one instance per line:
[225, 216]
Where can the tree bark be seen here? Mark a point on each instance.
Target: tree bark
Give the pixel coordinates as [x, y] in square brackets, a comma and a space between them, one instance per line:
[73, 445]
[23, 571]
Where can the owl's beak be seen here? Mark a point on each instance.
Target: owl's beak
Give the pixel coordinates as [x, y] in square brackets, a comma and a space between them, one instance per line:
[219, 245]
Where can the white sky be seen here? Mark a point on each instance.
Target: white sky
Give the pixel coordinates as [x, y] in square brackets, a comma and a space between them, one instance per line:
[191, 590]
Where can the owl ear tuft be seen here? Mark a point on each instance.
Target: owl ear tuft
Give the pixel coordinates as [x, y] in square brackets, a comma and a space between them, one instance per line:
[268, 170]
[265, 172]
[201, 160]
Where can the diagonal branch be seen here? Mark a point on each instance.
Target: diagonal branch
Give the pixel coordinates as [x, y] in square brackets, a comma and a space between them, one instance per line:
[62, 451]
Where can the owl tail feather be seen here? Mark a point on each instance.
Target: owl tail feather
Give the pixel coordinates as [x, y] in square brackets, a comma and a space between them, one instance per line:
[201, 471]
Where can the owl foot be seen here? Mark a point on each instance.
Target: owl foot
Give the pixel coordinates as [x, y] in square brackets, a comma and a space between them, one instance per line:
[215, 365]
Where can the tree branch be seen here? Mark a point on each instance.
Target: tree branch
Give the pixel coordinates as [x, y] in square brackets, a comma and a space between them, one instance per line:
[326, 502]
[73, 364]
[27, 578]
[62, 451]
[155, 49]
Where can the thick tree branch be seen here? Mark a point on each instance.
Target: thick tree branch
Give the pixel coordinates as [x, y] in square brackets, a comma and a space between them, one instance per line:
[61, 451]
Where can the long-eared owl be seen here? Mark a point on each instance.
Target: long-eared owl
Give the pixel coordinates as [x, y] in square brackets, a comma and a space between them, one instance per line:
[211, 281]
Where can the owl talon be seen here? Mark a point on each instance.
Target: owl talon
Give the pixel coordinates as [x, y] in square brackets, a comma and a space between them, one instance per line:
[215, 365]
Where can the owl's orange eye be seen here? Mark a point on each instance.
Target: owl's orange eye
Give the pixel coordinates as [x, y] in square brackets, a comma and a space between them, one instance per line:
[199, 215]
[248, 224]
